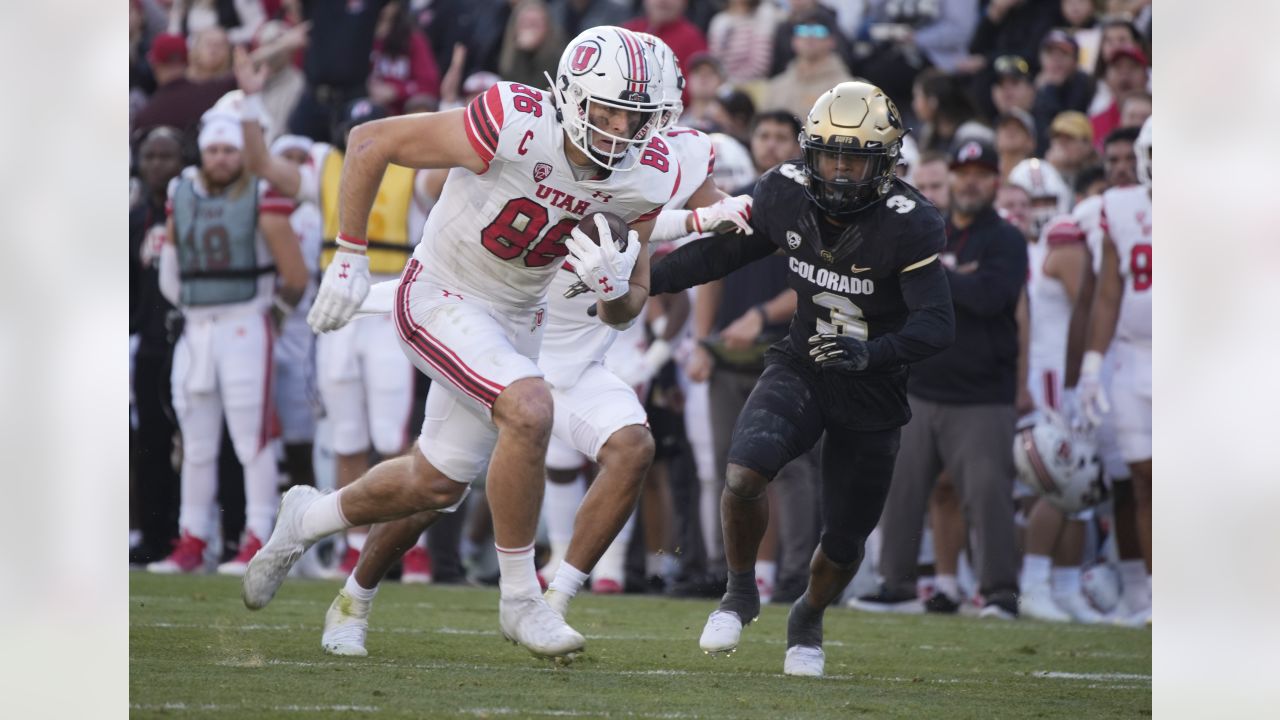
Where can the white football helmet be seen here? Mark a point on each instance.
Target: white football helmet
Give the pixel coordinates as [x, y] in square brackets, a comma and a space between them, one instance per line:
[733, 165]
[1142, 148]
[672, 81]
[1049, 193]
[1101, 585]
[610, 67]
[1058, 463]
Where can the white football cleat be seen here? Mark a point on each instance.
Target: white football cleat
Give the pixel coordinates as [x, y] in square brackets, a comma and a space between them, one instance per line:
[558, 601]
[530, 621]
[1139, 619]
[721, 633]
[1078, 607]
[268, 569]
[805, 661]
[345, 626]
[1036, 602]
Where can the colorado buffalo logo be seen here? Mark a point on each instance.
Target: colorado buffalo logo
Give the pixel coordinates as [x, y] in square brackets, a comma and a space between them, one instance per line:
[541, 171]
[584, 57]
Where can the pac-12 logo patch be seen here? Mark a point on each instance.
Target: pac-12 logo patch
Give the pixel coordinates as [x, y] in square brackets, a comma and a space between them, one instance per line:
[541, 171]
[793, 239]
[585, 57]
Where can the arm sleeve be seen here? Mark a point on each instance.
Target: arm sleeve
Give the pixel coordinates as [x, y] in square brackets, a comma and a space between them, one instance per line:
[669, 225]
[707, 259]
[993, 288]
[930, 327]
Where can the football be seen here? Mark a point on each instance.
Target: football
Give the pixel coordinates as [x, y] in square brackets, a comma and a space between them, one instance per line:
[617, 226]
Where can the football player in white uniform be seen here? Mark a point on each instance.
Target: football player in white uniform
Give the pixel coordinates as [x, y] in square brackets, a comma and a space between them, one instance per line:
[1120, 320]
[597, 416]
[365, 381]
[470, 308]
[227, 241]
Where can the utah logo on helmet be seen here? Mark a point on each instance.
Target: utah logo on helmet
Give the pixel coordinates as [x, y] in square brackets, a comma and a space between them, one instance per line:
[853, 134]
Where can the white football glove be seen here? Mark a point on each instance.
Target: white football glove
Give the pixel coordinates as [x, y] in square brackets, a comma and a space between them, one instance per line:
[642, 369]
[601, 268]
[1090, 396]
[724, 216]
[342, 290]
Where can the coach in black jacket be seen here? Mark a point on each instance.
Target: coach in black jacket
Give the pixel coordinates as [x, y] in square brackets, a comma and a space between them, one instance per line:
[962, 400]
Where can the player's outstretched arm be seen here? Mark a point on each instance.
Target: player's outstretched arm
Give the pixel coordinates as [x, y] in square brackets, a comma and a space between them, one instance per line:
[707, 259]
[931, 325]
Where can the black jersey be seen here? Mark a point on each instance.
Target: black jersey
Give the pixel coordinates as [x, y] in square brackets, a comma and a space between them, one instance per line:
[847, 278]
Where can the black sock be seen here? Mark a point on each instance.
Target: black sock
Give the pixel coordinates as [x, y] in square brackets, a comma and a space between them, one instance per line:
[804, 624]
[742, 596]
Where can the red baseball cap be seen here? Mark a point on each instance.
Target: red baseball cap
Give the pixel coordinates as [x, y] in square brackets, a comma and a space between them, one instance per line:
[1133, 53]
[168, 49]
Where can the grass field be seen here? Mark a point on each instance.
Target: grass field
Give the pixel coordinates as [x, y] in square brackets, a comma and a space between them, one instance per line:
[435, 652]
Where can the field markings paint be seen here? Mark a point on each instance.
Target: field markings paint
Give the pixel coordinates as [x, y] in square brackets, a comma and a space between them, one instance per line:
[1055, 675]
[485, 712]
[213, 707]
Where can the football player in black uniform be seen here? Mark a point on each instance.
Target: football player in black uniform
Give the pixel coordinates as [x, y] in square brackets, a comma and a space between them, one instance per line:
[863, 253]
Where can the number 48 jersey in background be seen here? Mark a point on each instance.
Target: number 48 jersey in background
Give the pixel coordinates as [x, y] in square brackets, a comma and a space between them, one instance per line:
[500, 234]
[846, 277]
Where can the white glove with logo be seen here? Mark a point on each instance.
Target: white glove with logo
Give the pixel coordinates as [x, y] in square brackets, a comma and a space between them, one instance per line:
[601, 268]
[724, 216]
[342, 290]
[1090, 396]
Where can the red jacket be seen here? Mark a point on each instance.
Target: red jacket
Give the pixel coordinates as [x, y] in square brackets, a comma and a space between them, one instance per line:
[415, 74]
[685, 39]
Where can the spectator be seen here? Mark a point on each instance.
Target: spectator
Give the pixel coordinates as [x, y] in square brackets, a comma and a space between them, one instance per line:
[1012, 87]
[945, 112]
[239, 18]
[774, 139]
[741, 37]
[815, 69]
[178, 102]
[1070, 145]
[141, 82]
[336, 63]
[1117, 33]
[574, 16]
[1135, 108]
[732, 111]
[800, 9]
[275, 46]
[930, 178]
[1015, 139]
[1060, 86]
[210, 55]
[1118, 160]
[910, 36]
[666, 20]
[403, 65]
[1011, 27]
[1090, 181]
[532, 44]
[703, 77]
[153, 500]
[1080, 20]
[1125, 72]
[962, 400]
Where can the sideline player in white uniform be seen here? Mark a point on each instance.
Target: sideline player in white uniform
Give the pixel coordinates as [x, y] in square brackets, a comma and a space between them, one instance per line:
[365, 381]
[470, 307]
[1057, 263]
[1122, 312]
[225, 230]
[597, 415]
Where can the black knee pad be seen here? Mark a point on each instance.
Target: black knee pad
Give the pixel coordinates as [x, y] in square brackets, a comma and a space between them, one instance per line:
[843, 548]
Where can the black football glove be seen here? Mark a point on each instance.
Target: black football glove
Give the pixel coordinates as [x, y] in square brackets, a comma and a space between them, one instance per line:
[839, 352]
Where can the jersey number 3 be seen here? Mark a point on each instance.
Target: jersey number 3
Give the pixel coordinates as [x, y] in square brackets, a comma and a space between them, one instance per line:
[518, 225]
[846, 318]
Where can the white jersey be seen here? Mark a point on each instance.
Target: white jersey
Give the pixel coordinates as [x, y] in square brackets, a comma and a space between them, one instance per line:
[500, 234]
[573, 340]
[1050, 308]
[1126, 218]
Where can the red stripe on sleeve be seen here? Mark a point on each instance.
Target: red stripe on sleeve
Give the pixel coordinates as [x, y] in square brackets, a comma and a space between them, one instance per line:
[493, 102]
[482, 150]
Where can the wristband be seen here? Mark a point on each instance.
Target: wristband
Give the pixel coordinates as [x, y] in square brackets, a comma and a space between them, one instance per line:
[252, 109]
[352, 243]
[1091, 365]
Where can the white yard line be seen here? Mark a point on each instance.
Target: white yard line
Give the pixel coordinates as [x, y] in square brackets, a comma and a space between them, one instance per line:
[1055, 675]
[214, 707]
[485, 712]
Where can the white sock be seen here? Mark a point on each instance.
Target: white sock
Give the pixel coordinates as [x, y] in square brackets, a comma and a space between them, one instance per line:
[560, 503]
[947, 584]
[261, 492]
[1035, 571]
[653, 564]
[199, 487]
[355, 540]
[767, 570]
[324, 517]
[1135, 584]
[613, 563]
[355, 590]
[568, 580]
[517, 575]
[1066, 580]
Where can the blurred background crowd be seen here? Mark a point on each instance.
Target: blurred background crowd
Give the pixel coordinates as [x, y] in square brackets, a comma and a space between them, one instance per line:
[1053, 92]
